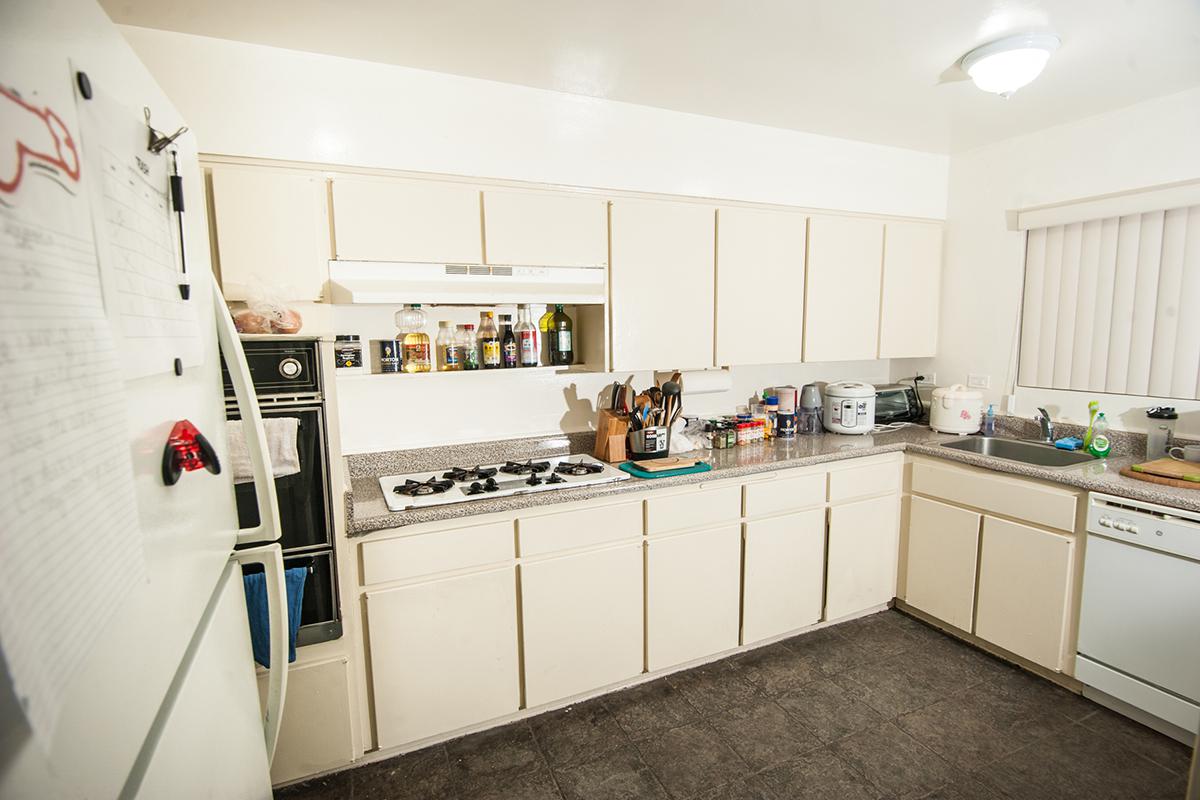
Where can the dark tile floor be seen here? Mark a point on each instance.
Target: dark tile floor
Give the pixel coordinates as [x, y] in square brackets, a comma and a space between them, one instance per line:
[882, 707]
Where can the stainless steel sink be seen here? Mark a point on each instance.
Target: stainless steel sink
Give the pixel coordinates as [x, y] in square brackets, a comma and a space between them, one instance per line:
[1042, 455]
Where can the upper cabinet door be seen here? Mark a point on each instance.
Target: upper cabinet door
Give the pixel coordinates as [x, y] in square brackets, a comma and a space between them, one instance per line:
[758, 318]
[841, 306]
[407, 220]
[661, 282]
[912, 268]
[552, 229]
[272, 231]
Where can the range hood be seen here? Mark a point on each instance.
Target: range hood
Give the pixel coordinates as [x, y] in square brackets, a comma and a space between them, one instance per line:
[396, 282]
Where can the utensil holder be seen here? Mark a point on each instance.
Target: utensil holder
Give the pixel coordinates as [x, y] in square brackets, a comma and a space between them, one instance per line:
[652, 442]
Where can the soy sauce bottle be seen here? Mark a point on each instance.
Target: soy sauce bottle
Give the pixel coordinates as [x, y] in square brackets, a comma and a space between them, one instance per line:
[509, 348]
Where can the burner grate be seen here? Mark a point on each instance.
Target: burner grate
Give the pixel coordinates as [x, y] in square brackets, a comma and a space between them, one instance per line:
[530, 467]
[413, 488]
[463, 474]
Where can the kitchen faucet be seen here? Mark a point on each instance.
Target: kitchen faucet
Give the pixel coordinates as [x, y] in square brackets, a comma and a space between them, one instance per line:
[1047, 426]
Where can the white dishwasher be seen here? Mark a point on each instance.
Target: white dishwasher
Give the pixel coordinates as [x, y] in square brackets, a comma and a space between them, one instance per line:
[1139, 622]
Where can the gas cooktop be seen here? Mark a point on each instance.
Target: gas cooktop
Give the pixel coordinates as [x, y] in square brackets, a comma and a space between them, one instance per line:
[460, 484]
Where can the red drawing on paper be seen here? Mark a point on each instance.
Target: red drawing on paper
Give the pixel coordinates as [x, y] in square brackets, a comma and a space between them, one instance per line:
[33, 137]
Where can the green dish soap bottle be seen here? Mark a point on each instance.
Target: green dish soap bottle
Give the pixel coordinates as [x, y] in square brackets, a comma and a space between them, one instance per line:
[1100, 443]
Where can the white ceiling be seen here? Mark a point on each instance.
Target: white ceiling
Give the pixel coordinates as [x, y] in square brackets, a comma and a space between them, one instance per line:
[869, 69]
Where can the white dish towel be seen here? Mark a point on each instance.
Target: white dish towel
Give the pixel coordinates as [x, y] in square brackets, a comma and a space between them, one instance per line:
[281, 446]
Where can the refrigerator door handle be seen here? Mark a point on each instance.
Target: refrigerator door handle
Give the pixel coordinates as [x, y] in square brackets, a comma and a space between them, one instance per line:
[271, 558]
[268, 528]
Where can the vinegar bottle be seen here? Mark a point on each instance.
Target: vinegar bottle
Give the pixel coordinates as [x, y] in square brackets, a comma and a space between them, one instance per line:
[526, 338]
[562, 343]
[508, 342]
[448, 348]
[415, 347]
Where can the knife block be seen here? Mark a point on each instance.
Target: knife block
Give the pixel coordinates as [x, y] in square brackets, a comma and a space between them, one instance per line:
[611, 429]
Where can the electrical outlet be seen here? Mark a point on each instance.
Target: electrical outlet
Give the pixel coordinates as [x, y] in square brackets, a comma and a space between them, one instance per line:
[979, 381]
[930, 377]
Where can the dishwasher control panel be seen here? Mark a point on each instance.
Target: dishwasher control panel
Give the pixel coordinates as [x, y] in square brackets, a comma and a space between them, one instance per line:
[1147, 524]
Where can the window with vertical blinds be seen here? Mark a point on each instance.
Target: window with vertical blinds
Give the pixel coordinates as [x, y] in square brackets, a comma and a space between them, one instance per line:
[1113, 305]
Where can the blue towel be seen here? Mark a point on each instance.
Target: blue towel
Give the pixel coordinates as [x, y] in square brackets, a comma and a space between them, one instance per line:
[260, 622]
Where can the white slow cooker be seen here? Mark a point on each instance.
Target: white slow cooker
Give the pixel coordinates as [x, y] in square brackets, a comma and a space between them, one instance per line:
[849, 407]
[956, 409]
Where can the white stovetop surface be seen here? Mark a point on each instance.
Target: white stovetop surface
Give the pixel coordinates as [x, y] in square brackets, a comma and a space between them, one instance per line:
[507, 484]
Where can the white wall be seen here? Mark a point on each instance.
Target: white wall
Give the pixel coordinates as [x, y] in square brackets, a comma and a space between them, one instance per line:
[250, 100]
[1143, 145]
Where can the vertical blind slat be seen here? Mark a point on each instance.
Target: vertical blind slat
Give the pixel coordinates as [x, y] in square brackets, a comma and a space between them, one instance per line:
[1051, 284]
[1145, 300]
[1124, 282]
[1068, 287]
[1166, 313]
[1085, 304]
[1186, 380]
[1035, 257]
[1102, 326]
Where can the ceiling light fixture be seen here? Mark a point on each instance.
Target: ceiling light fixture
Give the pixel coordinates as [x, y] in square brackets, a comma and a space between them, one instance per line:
[1007, 64]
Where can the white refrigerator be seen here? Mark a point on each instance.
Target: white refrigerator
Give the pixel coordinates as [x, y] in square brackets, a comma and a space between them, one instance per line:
[155, 696]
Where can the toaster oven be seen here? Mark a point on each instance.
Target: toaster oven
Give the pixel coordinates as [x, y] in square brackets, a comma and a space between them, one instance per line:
[895, 402]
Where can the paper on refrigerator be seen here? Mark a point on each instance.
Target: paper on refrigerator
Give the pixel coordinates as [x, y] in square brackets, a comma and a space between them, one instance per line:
[70, 543]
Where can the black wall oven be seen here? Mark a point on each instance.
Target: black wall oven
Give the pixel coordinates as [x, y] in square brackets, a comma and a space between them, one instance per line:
[287, 383]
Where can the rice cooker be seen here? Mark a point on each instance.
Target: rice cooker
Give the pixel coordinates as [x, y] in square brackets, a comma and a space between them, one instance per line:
[849, 407]
[956, 409]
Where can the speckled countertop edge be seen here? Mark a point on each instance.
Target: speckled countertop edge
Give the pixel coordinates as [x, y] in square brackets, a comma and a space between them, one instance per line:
[367, 511]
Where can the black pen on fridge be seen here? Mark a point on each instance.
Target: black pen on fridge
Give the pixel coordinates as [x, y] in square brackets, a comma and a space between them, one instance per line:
[185, 288]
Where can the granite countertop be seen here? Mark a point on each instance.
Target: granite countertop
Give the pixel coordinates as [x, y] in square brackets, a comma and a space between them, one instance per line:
[367, 511]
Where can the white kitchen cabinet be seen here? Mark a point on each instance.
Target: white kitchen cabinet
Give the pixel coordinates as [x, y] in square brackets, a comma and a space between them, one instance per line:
[943, 548]
[272, 231]
[443, 654]
[760, 282]
[862, 554]
[582, 624]
[661, 285]
[315, 735]
[545, 228]
[841, 304]
[1025, 578]
[692, 588]
[912, 269]
[783, 574]
[407, 220]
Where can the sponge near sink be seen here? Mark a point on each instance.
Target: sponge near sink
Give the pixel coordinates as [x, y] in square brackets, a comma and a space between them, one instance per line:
[1069, 443]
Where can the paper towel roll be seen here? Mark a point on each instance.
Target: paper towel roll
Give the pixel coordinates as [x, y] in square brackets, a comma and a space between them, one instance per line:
[702, 381]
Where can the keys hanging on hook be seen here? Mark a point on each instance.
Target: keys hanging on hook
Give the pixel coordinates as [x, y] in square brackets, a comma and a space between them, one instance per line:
[159, 141]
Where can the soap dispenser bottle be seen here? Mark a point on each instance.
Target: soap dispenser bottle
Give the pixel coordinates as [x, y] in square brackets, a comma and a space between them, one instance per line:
[1100, 443]
[989, 421]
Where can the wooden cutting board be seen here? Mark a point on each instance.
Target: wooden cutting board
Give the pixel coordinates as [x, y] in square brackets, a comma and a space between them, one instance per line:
[671, 462]
[1160, 480]
[1170, 468]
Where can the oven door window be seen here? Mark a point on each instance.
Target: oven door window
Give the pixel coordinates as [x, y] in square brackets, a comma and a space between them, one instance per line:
[303, 505]
[892, 405]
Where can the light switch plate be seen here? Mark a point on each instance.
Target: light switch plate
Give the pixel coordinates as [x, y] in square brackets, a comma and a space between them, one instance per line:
[979, 381]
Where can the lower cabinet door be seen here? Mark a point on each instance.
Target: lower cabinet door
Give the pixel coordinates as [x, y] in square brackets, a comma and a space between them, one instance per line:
[692, 595]
[443, 654]
[784, 574]
[1024, 584]
[943, 548]
[863, 545]
[581, 620]
[316, 732]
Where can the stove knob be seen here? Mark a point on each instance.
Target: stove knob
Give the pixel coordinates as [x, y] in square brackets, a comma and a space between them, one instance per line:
[1105, 521]
[1132, 528]
[290, 368]
[490, 483]
[476, 487]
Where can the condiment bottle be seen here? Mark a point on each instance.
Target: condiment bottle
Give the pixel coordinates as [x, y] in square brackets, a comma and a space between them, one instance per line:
[414, 351]
[489, 341]
[448, 347]
[470, 348]
[527, 340]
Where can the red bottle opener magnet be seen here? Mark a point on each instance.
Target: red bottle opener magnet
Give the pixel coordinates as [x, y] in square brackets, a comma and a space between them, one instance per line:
[187, 450]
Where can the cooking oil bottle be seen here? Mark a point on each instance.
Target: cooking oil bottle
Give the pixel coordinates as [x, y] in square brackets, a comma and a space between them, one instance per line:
[414, 349]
